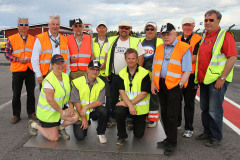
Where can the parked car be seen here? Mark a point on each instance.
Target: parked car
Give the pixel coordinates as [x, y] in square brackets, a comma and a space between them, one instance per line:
[3, 41]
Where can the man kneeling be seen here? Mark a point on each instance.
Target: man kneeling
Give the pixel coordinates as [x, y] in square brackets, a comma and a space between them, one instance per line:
[88, 97]
[134, 89]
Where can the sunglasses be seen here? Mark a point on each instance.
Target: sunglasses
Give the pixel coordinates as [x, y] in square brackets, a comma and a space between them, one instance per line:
[92, 69]
[21, 24]
[124, 27]
[80, 26]
[210, 20]
[150, 29]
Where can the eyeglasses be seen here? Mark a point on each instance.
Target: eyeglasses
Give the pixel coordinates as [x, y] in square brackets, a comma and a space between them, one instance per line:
[21, 24]
[150, 29]
[80, 26]
[124, 27]
[92, 69]
[210, 20]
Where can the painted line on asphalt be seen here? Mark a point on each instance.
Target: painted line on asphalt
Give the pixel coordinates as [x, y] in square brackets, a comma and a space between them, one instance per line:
[225, 120]
[9, 102]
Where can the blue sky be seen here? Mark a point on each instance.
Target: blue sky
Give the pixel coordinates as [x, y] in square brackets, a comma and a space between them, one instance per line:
[138, 12]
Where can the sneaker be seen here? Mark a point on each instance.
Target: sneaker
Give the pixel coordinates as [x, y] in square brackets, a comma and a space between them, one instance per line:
[120, 141]
[188, 134]
[152, 124]
[202, 137]
[179, 127]
[32, 131]
[63, 134]
[213, 143]
[102, 139]
[129, 125]
[111, 124]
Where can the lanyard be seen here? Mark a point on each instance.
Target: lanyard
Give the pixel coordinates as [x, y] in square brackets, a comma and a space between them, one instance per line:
[166, 57]
[54, 40]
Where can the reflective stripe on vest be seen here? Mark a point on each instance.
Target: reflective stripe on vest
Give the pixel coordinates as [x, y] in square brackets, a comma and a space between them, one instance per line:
[217, 62]
[87, 96]
[21, 50]
[142, 107]
[46, 52]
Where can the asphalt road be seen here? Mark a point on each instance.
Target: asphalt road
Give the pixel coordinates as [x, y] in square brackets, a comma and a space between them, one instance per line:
[13, 137]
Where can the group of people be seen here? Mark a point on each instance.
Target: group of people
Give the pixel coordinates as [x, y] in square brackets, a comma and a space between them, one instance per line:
[112, 79]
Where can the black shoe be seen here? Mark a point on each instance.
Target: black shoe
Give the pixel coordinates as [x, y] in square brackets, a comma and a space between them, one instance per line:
[202, 137]
[213, 143]
[169, 149]
[120, 141]
[162, 144]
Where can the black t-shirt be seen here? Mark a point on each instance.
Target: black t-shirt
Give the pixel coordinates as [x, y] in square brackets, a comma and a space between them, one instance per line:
[149, 47]
[188, 41]
[145, 86]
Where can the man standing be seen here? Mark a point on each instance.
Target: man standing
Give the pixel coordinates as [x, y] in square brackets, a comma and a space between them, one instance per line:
[171, 70]
[189, 93]
[46, 45]
[150, 43]
[99, 43]
[214, 71]
[19, 51]
[88, 96]
[134, 88]
[115, 49]
[80, 49]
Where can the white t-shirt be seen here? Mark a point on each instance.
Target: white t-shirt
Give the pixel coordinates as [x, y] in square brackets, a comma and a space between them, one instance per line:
[100, 43]
[119, 59]
[49, 86]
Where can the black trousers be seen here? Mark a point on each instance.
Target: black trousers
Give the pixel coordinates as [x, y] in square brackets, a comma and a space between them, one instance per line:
[138, 122]
[17, 82]
[114, 93]
[189, 94]
[101, 113]
[170, 103]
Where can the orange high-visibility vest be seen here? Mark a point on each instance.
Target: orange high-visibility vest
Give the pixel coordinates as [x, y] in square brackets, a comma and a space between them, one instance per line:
[21, 50]
[46, 53]
[83, 55]
[194, 40]
[174, 71]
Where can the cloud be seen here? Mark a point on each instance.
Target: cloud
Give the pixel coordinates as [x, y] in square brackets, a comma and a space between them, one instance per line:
[138, 12]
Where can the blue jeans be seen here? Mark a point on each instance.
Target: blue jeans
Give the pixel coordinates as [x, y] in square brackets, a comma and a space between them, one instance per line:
[211, 100]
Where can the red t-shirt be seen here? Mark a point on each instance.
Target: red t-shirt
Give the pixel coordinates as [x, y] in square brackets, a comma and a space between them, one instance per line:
[205, 51]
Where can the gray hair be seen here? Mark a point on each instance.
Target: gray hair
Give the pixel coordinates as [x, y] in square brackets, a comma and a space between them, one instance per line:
[210, 12]
[53, 16]
[21, 18]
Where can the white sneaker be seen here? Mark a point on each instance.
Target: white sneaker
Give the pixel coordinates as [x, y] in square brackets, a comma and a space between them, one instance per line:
[102, 139]
[152, 124]
[188, 133]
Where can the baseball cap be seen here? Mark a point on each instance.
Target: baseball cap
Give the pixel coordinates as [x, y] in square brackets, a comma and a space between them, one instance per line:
[188, 20]
[102, 23]
[57, 58]
[94, 63]
[125, 23]
[167, 28]
[151, 24]
[75, 21]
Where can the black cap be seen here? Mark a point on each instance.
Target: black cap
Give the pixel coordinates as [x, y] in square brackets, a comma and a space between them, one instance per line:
[167, 28]
[75, 21]
[57, 58]
[94, 63]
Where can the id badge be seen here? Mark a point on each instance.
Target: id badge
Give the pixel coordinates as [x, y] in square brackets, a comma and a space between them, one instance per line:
[131, 96]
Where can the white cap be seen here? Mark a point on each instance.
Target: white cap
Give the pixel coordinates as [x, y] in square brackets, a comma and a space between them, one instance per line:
[188, 20]
[151, 24]
[125, 23]
[102, 23]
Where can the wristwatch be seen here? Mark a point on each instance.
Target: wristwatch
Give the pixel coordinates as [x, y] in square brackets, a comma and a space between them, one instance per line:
[222, 78]
[181, 85]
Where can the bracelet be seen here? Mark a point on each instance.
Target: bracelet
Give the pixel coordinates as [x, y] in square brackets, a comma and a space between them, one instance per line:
[63, 113]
